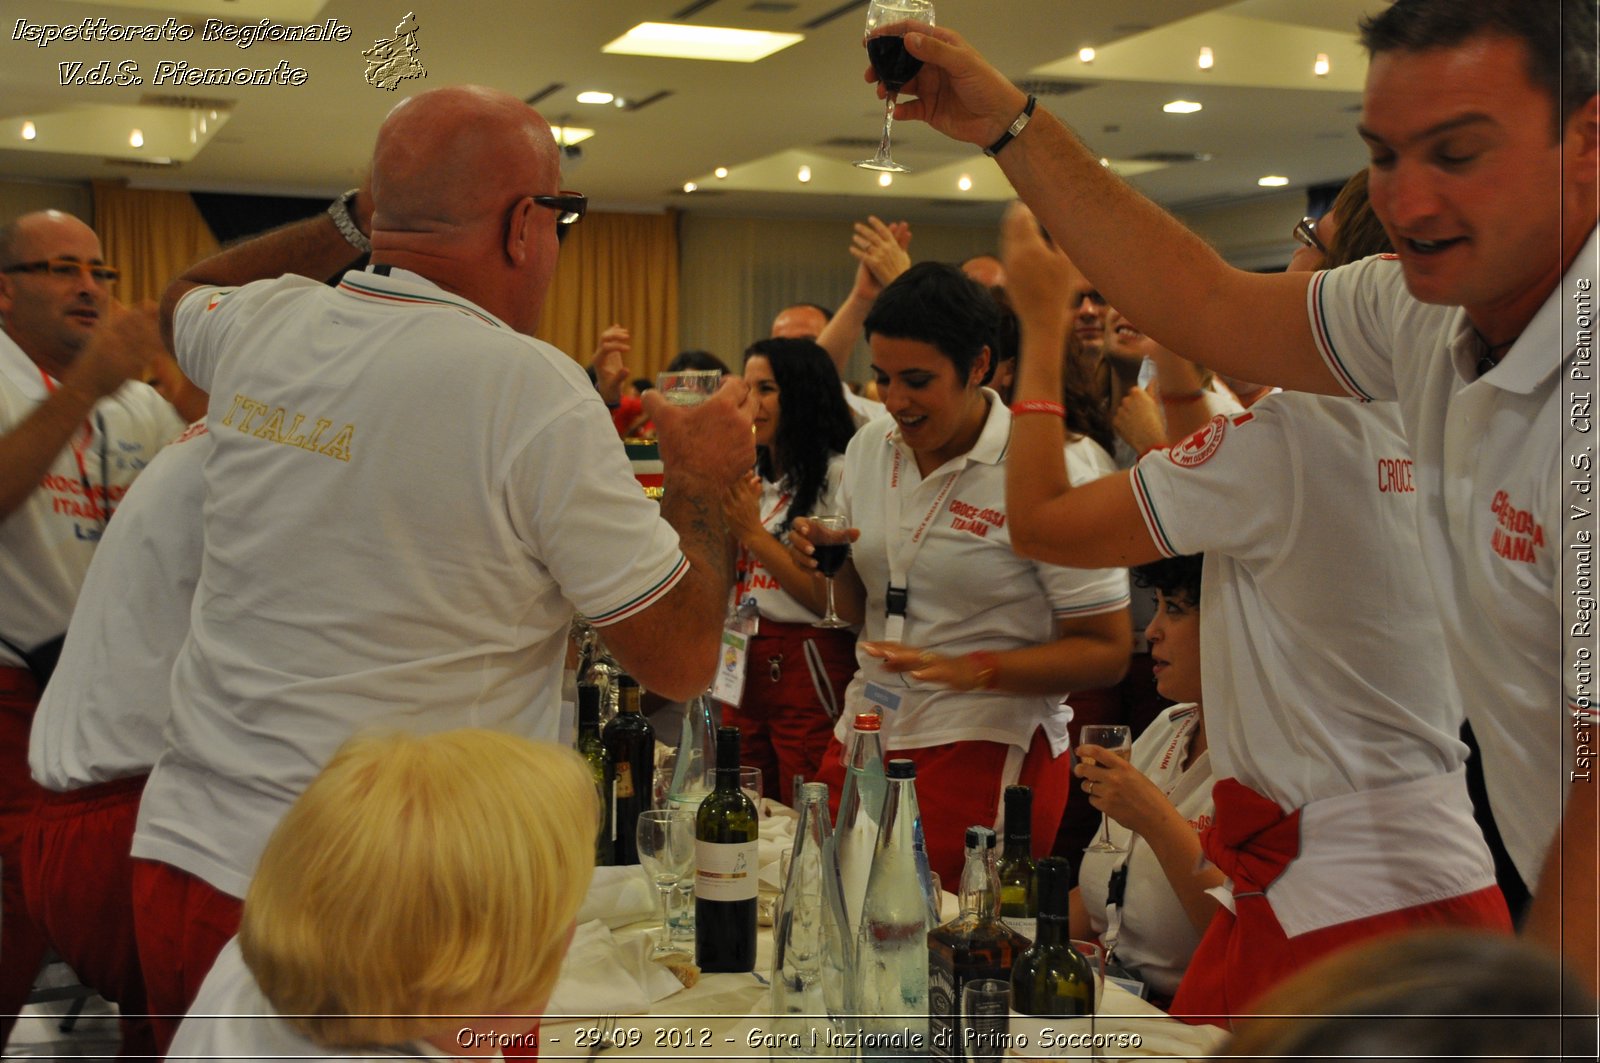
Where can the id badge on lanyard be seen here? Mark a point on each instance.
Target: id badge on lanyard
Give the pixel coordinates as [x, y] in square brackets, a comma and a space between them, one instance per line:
[897, 596]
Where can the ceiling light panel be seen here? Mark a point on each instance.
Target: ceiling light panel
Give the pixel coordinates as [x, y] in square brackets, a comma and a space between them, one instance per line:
[721, 44]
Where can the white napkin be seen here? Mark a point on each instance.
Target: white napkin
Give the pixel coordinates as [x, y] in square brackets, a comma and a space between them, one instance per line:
[618, 896]
[602, 976]
[777, 837]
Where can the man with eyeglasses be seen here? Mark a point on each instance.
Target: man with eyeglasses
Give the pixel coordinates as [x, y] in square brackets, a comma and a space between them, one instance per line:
[407, 500]
[77, 428]
[1482, 121]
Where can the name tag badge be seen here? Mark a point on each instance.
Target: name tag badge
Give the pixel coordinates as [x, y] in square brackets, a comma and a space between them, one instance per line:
[728, 686]
[886, 699]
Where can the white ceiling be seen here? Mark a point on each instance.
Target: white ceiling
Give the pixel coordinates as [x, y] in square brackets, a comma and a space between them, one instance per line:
[1264, 111]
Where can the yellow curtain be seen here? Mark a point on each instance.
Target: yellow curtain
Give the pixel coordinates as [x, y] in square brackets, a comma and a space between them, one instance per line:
[150, 236]
[617, 269]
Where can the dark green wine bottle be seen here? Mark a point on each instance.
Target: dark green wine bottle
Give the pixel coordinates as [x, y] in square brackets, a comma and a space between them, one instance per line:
[594, 754]
[1019, 899]
[1052, 978]
[630, 745]
[726, 867]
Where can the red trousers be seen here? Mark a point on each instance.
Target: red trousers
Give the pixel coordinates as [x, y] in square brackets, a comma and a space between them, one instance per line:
[78, 878]
[783, 728]
[181, 923]
[959, 786]
[1245, 953]
[22, 940]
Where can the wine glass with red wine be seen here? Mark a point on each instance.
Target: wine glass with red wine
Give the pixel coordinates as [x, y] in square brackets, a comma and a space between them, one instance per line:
[895, 65]
[830, 547]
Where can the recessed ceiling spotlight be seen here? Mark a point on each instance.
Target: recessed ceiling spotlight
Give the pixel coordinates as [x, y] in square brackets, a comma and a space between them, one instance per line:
[1105, 162]
[804, 174]
[1321, 66]
[203, 123]
[885, 180]
[689, 186]
[1085, 55]
[721, 172]
[136, 139]
[595, 97]
[568, 135]
[1273, 181]
[965, 183]
[1206, 60]
[28, 131]
[1181, 107]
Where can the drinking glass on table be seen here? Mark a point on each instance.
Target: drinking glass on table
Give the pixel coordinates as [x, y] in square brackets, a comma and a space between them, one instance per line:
[666, 853]
[895, 66]
[985, 1011]
[830, 541]
[1118, 739]
[750, 783]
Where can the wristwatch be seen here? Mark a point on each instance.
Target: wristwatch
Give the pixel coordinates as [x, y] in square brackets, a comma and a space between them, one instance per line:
[339, 211]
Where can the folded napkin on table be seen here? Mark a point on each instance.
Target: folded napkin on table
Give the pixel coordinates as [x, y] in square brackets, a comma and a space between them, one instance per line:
[777, 837]
[618, 896]
[602, 976]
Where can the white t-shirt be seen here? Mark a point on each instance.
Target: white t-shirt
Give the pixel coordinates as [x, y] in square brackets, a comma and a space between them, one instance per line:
[1489, 480]
[46, 543]
[232, 1019]
[1321, 653]
[862, 409]
[101, 716]
[967, 589]
[754, 582]
[405, 503]
[1156, 938]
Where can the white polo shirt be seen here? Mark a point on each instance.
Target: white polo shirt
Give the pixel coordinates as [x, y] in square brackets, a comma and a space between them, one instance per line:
[1489, 479]
[101, 716]
[1156, 938]
[405, 503]
[232, 1019]
[754, 582]
[46, 543]
[1321, 652]
[967, 589]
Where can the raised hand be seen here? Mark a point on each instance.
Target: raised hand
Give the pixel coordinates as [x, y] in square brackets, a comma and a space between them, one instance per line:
[957, 91]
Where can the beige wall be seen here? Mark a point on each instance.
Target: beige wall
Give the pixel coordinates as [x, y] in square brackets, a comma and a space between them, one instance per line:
[23, 197]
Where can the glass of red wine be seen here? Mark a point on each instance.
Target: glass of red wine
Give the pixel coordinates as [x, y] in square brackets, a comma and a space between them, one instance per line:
[895, 66]
[830, 547]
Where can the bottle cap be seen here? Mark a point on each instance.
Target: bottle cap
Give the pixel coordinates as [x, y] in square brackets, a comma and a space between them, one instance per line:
[812, 791]
[901, 769]
[1055, 882]
[980, 838]
[624, 680]
[868, 721]
[588, 701]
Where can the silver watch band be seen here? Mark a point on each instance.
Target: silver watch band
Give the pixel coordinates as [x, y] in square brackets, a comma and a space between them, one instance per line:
[339, 211]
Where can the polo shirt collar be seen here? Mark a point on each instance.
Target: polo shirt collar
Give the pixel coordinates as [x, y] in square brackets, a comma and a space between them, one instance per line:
[397, 286]
[1549, 340]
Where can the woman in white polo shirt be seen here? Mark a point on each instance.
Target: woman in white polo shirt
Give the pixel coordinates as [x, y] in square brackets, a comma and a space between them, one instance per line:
[802, 426]
[1148, 903]
[967, 649]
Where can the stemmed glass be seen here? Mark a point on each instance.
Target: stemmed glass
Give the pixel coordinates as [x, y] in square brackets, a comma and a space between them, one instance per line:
[830, 541]
[1118, 738]
[895, 65]
[666, 853]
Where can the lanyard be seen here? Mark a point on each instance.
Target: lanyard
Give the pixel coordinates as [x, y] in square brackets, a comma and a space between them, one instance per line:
[747, 562]
[900, 557]
[101, 508]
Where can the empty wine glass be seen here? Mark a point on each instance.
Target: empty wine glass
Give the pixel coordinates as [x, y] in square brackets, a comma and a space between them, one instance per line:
[830, 541]
[1118, 738]
[895, 65]
[666, 854]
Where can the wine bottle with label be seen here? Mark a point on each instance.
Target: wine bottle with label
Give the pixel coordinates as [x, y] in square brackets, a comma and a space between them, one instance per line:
[594, 754]
[726, 868]
[630, 745]
[1019, 900]
[1052, 978]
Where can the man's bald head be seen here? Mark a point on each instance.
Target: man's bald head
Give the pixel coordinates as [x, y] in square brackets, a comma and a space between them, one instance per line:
[986, 270]
[49, 315]
[457, 157]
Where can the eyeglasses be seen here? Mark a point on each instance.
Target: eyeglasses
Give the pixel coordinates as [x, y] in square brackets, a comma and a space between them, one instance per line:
[68, 269]
[1306, 232]
[569, 205]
